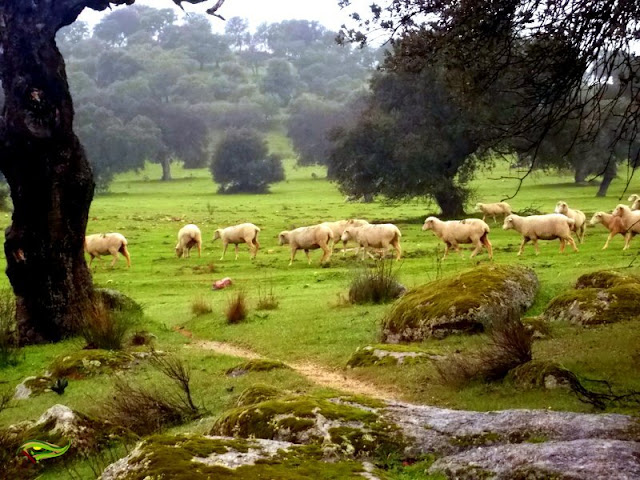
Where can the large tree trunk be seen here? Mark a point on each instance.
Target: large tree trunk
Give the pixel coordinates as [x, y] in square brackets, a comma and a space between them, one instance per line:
[451, 201]
[609, 174]
[47, 170]
[166, 169]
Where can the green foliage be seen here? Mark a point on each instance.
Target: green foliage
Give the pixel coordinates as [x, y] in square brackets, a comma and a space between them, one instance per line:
[242, 163]
[281, 80]
[106, 327]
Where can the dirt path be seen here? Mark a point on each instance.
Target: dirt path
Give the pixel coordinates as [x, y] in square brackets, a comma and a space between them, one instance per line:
[318, 374]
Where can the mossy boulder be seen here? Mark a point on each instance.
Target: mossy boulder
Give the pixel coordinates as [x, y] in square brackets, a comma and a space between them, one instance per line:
[537, 374]
[464, 303]
[385, 354]
[599, 298]
[198, 457]
[115, 300]
[255, 366]
[339, 426]
[256, 394]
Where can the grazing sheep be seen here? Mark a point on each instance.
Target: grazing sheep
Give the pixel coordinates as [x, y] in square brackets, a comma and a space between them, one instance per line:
[308, 238]
[612, 223]
[630, 222]
[542, 227]
[338, 229]
[243, 233]
[106, 244]
[494, 209]
[188, 237]
[636, 204]
[580, 219]
[633, 198]
[375, 236]
[454, 232]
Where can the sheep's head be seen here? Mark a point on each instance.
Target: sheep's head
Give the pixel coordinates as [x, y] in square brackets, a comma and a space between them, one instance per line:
[479, 206]
[508, 223]
[562, 207]
[217, 234]
[597, 218]
[633, 198]
[428, 223]
[620, 210]
[347, 234]
[356, 222]
[283, 238]
[179, 251]
[636, 204]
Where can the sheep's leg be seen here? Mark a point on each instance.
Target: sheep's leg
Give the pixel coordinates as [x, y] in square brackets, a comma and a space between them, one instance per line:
[114, 253]
[627, 240]
[583, 232]
[477, 249]
[606, 244]
[126, 255]
[446, 250]
[563, 243]
[199, 250]
[256, 246]
[487, 245]
[494, 220]
[326, 255]
[236, 251]
[344, 249]
[293, 255]
[536, 246]
[458, 249]
[484, 217]
[91, 259]
[225, 245]
[522, 244]
[396, 245]
[572, 243]
[306, 252]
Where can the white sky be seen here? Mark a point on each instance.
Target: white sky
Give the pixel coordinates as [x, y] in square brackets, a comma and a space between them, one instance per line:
[326, 12]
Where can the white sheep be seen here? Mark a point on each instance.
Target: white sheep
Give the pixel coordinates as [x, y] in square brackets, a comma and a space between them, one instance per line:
[630, 221]
[494, 209]
[106, 244]
[633, 198]
[338, 229]
[454, 232]
[542, 227]
[188, 237]
[308, 238]
[375, 236]
[243, 233]
[636, 204]
[580, 219]
[612, 223]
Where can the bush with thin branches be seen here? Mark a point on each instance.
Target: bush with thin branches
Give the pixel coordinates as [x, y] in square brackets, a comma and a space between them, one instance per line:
[236, 311]
[106, 328]
[376, 285]
[145, 410]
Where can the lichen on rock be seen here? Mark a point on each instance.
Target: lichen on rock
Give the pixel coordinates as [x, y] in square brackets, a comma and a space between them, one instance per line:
[257, 393]
[464, 303]
[386, 354]
[259, 365]
[599, 298]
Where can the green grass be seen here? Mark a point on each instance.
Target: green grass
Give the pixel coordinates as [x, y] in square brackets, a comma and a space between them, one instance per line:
[310, 323]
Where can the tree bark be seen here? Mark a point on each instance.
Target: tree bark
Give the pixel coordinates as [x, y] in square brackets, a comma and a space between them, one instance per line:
[451, 202]
[609, 174]
[166, 169]
[48, 173]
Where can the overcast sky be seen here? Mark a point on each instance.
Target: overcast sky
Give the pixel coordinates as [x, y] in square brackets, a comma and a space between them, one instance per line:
[326, 12]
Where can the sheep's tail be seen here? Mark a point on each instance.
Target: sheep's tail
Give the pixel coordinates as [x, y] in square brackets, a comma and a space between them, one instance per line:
[255, 238]
[125, 253]
[398, 232]
[487, 243]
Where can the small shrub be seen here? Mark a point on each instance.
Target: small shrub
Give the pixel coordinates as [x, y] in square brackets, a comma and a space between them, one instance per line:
[376, 285]
[200, 306]
[105, 328]
[9, 349]
[141, 338]
[145, 410]
[509, 347]
[236, 311]
[267, 300]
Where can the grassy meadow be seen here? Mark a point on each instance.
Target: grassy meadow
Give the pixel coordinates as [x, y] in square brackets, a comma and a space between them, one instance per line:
[312, 322]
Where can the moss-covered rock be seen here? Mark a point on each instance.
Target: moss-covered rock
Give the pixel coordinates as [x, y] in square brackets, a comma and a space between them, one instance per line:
[339, 426]
[115, 300]
[256, 394]
[599, 297]
[463, 303]
[605, 279]
[255, 366]
[386, 354]
[199, 457]
[536, 374]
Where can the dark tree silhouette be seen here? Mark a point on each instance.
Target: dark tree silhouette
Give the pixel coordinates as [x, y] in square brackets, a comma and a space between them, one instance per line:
[46, 168]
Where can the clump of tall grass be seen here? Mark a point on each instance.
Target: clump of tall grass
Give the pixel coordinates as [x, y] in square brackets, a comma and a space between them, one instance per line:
[236, 310]
[376, 285]
[267, 300]
[106, 328]
[9, 347]
[509, 346]
[201, 306]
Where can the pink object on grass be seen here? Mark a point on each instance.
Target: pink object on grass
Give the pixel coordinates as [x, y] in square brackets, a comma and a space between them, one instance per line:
[223, 283]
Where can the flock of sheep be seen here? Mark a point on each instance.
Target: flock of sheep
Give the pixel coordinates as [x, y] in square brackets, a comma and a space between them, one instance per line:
[624, 220]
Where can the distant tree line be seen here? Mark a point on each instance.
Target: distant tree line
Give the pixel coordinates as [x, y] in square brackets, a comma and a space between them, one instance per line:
[146, 88]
